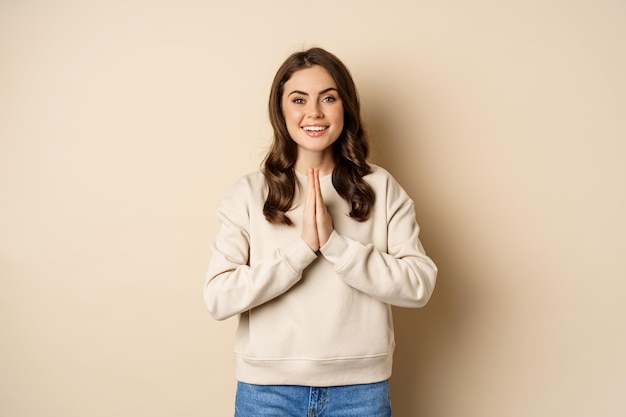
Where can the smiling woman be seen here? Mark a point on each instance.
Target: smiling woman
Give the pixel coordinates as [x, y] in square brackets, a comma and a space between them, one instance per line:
[350, 153]
[312, 253]
[313, 114]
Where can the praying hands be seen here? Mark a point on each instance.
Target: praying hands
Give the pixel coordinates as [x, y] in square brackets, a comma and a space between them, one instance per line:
[317, 223]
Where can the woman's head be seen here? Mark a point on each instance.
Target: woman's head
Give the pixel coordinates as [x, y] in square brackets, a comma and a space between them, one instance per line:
[345, 87]
[350, 150]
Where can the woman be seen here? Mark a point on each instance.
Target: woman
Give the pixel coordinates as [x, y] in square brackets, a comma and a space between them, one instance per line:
[312, 252]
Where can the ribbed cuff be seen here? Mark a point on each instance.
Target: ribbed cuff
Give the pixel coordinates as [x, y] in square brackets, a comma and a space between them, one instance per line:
[337, 250]
[298, 255]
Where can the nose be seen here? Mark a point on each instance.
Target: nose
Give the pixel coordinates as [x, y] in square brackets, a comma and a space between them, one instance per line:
[315, 111]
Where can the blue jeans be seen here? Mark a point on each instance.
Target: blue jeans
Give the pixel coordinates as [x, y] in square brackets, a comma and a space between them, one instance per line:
[367, 400]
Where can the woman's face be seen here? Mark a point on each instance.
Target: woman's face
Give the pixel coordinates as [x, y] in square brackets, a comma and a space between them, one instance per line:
[312, 109]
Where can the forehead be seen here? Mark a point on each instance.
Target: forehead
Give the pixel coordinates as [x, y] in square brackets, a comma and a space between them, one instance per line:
[312, 79]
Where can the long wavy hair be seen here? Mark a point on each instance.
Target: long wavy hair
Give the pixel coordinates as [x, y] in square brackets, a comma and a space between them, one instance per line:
[351, 149]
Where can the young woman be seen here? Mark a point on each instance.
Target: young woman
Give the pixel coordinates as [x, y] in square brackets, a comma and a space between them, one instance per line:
[311, 254]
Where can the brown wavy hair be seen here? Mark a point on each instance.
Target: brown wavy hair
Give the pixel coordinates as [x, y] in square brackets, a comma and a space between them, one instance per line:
[351, 149]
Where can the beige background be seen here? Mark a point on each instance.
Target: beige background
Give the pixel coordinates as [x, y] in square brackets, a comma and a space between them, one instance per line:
[123, 123]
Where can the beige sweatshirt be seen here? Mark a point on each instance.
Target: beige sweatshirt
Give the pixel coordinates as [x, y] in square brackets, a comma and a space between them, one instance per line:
[317, 319]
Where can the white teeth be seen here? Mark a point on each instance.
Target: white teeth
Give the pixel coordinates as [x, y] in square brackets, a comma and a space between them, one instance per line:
[314, 128]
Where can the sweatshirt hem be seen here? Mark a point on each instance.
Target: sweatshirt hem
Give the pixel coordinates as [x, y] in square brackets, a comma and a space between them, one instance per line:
[314, 372]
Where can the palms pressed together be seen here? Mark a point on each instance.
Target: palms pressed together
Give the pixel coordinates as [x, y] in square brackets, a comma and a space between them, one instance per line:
[317, 223]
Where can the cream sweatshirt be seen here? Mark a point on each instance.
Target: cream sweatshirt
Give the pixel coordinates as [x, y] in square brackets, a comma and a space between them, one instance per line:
[317, 319]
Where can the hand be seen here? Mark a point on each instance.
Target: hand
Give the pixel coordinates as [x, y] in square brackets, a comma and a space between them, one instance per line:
[317, 223]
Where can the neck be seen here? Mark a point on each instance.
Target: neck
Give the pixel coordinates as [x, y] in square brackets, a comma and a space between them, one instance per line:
[324, 162]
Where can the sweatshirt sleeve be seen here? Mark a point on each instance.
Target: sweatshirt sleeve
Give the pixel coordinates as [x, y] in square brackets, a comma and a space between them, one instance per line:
[403, 276]
[232, 286]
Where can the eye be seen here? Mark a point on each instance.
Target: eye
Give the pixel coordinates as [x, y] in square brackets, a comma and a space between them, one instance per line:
[329, 99]
[298, 100]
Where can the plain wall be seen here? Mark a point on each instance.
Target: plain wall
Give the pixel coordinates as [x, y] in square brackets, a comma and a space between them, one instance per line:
[124, 122]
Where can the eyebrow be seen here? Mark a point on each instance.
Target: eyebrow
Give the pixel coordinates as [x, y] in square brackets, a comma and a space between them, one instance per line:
[306, 94]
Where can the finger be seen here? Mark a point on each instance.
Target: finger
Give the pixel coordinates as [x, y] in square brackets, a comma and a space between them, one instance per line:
[317, 193]
[310, 188]
[319, 200]
[323, 219]
[312, 191]
[309, 228]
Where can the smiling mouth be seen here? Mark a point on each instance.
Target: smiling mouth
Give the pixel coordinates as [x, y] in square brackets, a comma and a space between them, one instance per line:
[314, 128]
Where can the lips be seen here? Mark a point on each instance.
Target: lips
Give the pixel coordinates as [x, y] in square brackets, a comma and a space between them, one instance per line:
[314, 128]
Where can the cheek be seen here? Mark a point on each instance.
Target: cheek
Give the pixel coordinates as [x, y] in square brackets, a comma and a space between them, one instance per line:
[292, 117]
[340, 118]
[291, 122]
[338, 112]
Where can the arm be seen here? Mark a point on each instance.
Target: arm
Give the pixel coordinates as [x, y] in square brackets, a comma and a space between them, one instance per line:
[232, 286]
[403, 276]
